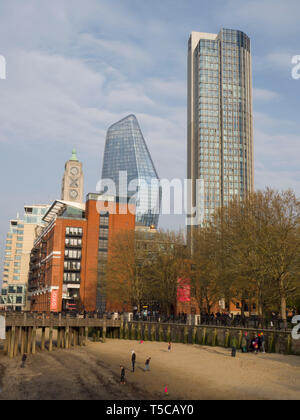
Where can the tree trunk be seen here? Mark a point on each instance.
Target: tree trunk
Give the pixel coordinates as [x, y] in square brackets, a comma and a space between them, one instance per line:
[283, 310]
[208, 306]
[242, 308]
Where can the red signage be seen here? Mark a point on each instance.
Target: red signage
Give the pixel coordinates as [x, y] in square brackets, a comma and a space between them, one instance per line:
[183, 290]
[54, 301]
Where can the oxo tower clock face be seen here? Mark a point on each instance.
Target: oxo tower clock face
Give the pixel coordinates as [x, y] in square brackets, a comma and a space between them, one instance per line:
[73, 194]
[74, 171]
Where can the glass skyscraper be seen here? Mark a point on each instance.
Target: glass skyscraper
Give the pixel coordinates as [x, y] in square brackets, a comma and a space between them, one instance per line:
[128, 163]
[220, 133]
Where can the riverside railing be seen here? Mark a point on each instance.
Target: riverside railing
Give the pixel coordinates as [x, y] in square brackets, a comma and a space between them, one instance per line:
[205, 320]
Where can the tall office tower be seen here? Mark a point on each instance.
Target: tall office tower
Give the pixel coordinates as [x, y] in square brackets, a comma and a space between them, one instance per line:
[127, 161]
[220, 133]
[19, 242]
[72, 184]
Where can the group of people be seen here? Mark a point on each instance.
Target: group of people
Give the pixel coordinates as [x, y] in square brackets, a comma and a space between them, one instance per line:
[254, 345]
[133, 362]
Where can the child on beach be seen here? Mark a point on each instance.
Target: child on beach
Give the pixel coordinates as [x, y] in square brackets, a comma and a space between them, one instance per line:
[147, 364]
[24, 358]
[169, 347]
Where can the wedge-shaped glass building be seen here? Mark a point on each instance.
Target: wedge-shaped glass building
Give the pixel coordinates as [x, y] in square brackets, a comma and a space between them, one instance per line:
[127, 162]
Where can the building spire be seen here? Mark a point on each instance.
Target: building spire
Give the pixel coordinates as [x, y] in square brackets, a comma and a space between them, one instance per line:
[74, 155]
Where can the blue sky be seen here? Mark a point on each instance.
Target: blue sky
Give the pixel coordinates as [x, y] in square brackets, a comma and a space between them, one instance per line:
[75, 67]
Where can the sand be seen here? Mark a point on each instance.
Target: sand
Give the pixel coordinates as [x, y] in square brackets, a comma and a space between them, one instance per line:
[189, 371]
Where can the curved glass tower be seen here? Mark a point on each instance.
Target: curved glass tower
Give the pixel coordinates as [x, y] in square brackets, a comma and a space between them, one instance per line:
[127, 162]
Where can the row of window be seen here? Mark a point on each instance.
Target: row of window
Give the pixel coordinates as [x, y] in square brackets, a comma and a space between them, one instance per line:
[72, 265]
[16, 271]
[11, 300]
[104, 221]
[103, 232]
[15, 232]
[12, 290]
[14, 277]
[71, 277]
[73, 242]
[73, 254]
[74, 231]
[103, 243]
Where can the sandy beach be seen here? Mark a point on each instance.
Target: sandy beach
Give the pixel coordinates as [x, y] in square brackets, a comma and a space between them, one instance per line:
[189, 371]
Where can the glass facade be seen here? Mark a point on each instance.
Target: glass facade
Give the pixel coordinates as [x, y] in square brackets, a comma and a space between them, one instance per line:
[220, 117]
[19, 242]
[126, 151]
[35, 214]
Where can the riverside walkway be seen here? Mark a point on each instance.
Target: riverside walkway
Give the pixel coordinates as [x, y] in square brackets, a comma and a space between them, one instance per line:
[24, 330]
[28, 331]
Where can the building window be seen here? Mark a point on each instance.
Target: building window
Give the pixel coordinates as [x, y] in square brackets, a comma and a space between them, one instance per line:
[71, 277]
[103, 244]
[103, 233]
[72, 265]
[74, 231]
[76, 242]
[73, 254]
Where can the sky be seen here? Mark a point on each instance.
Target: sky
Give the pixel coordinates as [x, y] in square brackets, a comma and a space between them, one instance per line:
[76, 67]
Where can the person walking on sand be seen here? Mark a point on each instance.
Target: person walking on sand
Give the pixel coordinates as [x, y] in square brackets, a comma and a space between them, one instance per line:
[255, 345]
[122, 382]
[133, 359]
[24, 358]
[147, 364]
[169, 347]
[233, 347]
[245, 343]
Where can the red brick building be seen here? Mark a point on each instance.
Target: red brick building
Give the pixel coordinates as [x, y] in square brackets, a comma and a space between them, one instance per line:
[69, 258]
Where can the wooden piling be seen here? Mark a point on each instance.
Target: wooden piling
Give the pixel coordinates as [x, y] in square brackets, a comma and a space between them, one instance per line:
[43, 339]
[50, 339]
[33, 340]
[29, 340]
